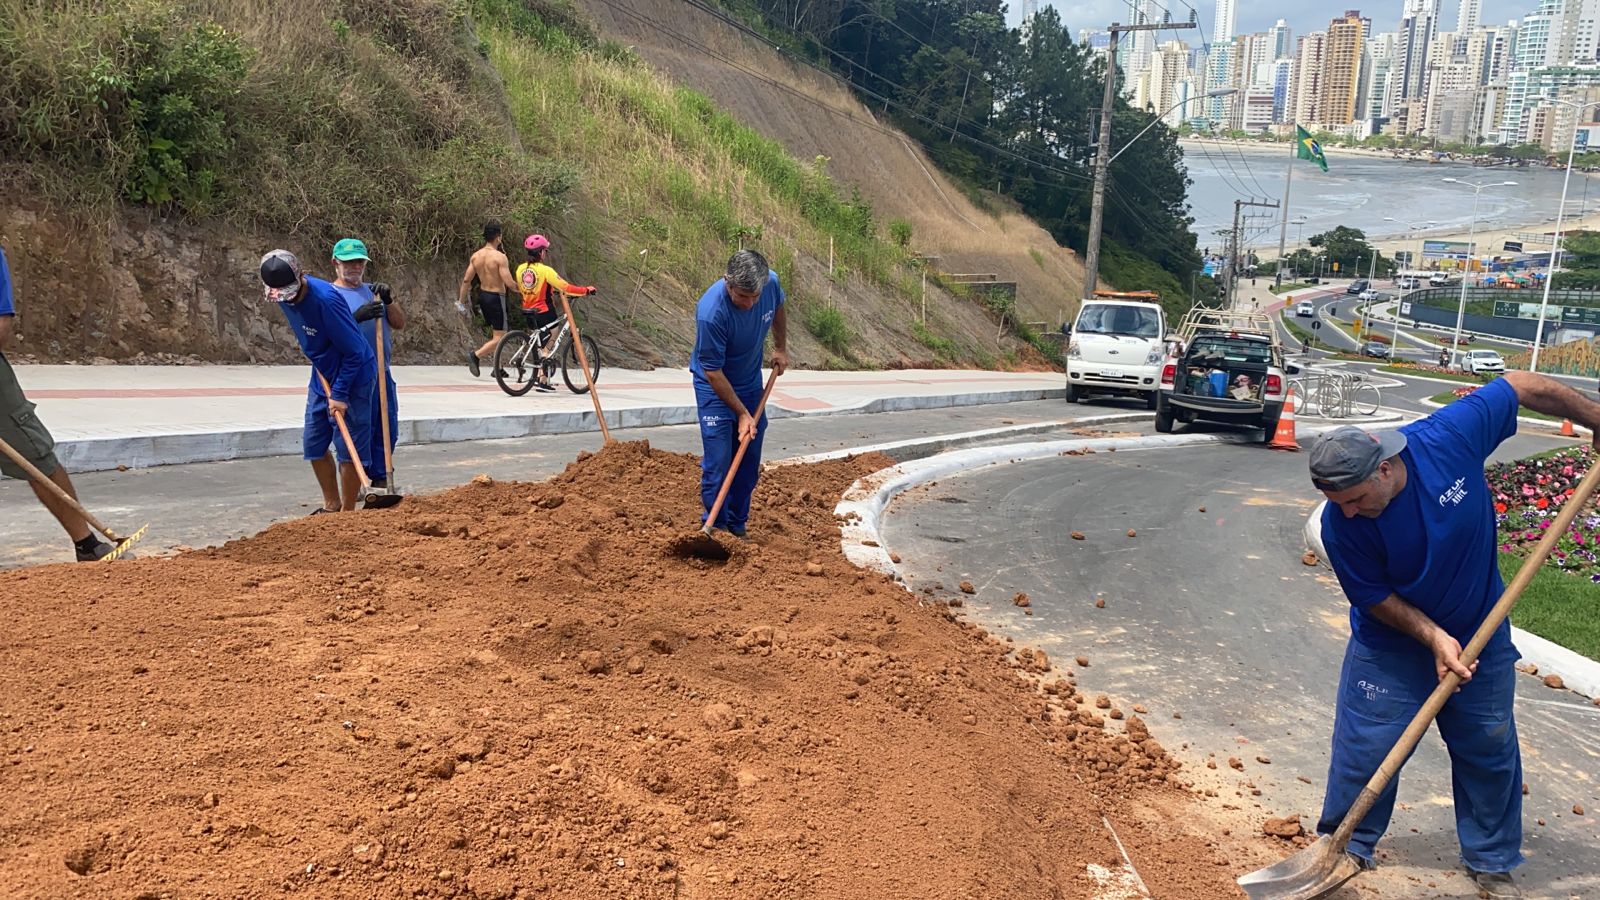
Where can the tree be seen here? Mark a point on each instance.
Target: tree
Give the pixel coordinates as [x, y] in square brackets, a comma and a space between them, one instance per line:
[1349, 248]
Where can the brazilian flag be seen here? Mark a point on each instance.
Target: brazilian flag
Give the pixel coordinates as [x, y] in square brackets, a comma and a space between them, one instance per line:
[1306, 147]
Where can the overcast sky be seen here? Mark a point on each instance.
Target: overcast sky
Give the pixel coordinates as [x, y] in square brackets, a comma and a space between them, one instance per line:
[1259, 15]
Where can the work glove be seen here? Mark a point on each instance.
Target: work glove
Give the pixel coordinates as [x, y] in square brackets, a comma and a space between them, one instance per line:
[381, 288]
[368, 311]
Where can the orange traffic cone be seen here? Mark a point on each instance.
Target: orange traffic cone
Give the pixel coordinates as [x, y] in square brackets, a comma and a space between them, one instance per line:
[1284, 438]
[1566, 428]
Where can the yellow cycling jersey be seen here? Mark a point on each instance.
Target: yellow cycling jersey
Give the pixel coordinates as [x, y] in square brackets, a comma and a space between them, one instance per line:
[534, 280]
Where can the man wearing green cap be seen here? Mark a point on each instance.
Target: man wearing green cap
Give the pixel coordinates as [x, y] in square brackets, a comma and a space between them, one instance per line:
[368, 303]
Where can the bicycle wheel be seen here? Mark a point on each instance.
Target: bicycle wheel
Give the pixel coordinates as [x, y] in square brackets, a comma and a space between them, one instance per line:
[572, 371]
[1366, 400]
[516, 362]
[1328, 400]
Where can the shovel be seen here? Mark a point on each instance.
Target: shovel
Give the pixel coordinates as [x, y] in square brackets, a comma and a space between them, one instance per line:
[122, 543]
[1321, 868]
[583, 360]
[701, 544]
[376, 498]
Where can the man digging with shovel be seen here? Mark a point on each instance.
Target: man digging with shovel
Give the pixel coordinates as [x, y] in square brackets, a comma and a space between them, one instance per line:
[377, 314]
[731, 324]
[342, 360]
[1410, 531]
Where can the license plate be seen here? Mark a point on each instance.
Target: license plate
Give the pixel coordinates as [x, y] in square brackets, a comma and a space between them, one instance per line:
[1111, 373]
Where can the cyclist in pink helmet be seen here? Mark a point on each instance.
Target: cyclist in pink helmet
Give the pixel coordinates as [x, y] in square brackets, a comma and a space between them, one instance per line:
[535, 279]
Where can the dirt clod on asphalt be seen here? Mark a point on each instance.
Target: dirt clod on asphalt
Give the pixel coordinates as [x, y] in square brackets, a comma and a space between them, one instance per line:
[495, 693]
[1077, 535]
[1554, 681]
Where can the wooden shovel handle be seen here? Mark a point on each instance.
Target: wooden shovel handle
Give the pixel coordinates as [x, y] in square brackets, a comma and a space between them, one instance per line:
[40, 478]
[349, 443]
[1441, 694]
[738, 456]
[383, 397]
[583, 360]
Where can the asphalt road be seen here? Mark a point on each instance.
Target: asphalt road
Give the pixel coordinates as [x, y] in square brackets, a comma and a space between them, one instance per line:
[209, 503]
[1209, 614]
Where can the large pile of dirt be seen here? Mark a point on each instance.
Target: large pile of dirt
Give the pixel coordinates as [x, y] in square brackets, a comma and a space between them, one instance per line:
[512, 690]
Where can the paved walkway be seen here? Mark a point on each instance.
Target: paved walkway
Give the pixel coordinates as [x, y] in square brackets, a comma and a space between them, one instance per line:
[109, 416]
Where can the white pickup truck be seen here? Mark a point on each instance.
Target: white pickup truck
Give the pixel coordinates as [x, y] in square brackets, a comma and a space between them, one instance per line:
[1116, 346]
[1228, 367]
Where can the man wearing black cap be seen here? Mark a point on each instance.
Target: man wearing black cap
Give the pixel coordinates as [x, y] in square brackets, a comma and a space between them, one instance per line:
[1409, 528]
[330, 338]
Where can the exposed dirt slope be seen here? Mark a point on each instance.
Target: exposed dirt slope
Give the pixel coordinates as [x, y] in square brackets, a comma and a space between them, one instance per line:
[511, 690]
[813, 114]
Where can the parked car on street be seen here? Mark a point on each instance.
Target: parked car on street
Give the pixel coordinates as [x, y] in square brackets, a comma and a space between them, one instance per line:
[1375, 349]
[1226, 367]
[1116, 347]
[1357, 286]
[1483, 362]
[1407, 283]
[1304, 308]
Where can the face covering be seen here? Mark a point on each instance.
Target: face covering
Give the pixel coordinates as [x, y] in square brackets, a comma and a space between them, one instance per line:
[284, 295]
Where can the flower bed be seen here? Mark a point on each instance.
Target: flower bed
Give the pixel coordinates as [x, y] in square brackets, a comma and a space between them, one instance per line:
[1528, 493]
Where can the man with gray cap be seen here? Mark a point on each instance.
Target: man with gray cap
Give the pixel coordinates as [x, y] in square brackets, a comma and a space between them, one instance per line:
[731, 323]
[1409, 528]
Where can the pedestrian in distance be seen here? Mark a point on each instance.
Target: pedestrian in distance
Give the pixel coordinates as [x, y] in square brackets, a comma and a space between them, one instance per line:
[368, 303]
[731, 325]
[21, 428]
[535, 281]
[493, 272]
[1409, 529]
[329, 337]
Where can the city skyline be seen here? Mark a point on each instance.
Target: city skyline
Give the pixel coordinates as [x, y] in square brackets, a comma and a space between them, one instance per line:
[1259, 15]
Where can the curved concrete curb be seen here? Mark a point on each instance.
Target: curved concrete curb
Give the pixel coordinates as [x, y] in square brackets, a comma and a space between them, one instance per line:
[1580, 673]
[137, 450]
[863, 503]
[1526, 420]
[916, 448]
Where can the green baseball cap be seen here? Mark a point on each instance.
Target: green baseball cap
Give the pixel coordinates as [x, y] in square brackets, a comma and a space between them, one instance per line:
[350, 248]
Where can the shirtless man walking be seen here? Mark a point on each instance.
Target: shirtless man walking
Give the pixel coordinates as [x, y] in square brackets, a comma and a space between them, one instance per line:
[489, 266]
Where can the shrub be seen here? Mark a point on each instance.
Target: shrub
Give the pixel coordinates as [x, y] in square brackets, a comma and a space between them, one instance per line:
[827, 325]
[900, 232]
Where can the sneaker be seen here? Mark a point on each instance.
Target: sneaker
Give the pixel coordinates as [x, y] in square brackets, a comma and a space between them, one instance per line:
[95, 553]
[541, 386]
[1362, 863]
[1495, 885]
[500, 373]
[472, 365]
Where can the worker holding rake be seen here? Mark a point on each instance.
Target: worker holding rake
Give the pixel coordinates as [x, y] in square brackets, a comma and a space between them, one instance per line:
[342, 360]
[1410, 530]
[731, 325]
[22, 431]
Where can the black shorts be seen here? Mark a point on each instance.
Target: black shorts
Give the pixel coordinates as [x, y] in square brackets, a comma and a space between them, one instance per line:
[493, 307]
[537, 320]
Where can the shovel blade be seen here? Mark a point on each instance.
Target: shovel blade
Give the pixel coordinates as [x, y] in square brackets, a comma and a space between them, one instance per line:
[1316, 871]
[377, 499]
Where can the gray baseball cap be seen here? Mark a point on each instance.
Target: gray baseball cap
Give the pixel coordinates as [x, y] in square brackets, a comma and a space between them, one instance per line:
[1346, 456]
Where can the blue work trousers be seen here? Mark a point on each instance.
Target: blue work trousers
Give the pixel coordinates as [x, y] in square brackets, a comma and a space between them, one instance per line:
[1379, 692]
[359, 418]
[719, 434]
[379, 469]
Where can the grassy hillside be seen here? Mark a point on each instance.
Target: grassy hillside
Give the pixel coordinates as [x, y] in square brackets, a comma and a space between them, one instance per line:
[411, 121]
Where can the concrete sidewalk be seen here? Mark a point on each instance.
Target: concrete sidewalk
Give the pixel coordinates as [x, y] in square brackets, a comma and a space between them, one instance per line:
[109, 416]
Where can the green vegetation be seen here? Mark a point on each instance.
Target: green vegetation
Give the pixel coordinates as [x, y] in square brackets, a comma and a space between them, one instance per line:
[273, 118]
[900, 232]
[1556, 606]
[1288, 286]
[827, 325]
[1431, 373]
[1303, 335]
[1036, 256]
[942, 347]
[1448, 397]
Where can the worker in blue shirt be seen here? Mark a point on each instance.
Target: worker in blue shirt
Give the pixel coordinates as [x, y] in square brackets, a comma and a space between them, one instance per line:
[731, 324]
[328, 336]
[1409, 528]
[21, 429]
[368, 303]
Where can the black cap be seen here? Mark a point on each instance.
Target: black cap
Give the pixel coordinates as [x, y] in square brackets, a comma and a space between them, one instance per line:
[279, 269]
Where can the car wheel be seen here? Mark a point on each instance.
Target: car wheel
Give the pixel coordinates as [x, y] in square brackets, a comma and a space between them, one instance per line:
[1270, 426]
[1074, 393]
[1163, 415]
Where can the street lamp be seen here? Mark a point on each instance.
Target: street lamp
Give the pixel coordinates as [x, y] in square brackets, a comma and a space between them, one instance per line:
[1555, 245]
[1399, 298]
[1472, 235]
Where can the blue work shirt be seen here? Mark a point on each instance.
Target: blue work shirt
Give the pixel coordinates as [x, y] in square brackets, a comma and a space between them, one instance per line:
[357, 297]
[732, 339]
[1435, 544]
[330, 339]
[6, 309]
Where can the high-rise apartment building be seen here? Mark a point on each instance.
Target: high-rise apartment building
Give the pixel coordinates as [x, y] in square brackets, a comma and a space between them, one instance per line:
[1418, 22]
[1280, 39]
[1467, 16]
[1305, 88]
[1380, 72]
[1341, 70]
[1223, 25]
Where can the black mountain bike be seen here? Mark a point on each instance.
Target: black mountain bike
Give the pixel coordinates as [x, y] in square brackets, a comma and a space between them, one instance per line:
[520, 360]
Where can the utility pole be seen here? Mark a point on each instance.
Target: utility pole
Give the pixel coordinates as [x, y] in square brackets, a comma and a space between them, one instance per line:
[1233, 256]
[1102, 156]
